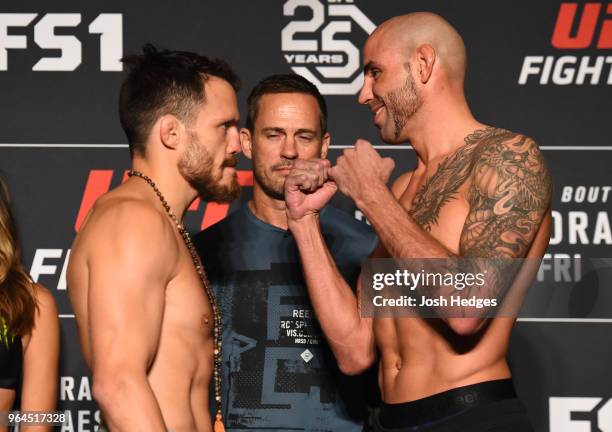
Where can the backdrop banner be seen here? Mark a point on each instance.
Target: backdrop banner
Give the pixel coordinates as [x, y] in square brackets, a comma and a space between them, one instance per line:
[541, 68]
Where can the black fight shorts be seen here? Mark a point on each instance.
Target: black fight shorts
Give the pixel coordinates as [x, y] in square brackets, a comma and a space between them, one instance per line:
[490, 406]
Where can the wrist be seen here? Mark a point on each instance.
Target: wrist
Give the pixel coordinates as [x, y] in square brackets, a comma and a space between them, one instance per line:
[370, 195]
[305, 224]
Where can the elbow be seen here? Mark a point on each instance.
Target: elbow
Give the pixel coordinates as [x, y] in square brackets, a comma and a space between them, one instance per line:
[353, 368]
[356, 364]
[103, 388]
[465, 326]
[109, 388]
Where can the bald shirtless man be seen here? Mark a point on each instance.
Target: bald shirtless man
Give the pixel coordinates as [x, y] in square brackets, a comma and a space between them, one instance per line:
[477, 191]
[144, 318]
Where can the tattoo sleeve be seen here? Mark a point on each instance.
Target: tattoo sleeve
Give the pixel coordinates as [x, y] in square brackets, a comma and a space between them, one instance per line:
[510, 193]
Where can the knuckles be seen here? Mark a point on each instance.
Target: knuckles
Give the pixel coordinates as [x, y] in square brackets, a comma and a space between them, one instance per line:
[361, 144]
[318, 165]
[350, 152]
[390, 163]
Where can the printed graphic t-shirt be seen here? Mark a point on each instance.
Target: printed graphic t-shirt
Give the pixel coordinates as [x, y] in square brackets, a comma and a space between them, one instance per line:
[278, 371]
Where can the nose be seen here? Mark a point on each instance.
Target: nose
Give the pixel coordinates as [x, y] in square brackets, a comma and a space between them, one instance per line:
[365, 94]
[233, 145]
[289, 149]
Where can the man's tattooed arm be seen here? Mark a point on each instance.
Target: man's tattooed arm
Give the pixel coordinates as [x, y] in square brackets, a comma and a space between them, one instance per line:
[510, 193]
[509, 197]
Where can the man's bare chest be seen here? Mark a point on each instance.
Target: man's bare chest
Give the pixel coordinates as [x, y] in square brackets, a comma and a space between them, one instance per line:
[187, 303]
[438, 203]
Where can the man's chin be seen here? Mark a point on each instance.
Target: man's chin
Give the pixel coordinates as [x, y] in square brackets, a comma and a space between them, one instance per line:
[220, 193]
[385, 134]
[389, 137]
[223, 197]
[275, 191]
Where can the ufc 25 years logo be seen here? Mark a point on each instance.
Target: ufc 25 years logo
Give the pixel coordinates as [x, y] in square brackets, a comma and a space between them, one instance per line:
[580, 414]
[313, 50]
[108, 25]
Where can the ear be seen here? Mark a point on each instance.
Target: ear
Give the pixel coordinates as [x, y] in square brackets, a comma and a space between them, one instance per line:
[246, 143]
[325, 145]
[426, 58]
[170, 131]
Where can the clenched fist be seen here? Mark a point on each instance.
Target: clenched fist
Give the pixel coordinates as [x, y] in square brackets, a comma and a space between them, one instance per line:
[359, 170]
[308, 188]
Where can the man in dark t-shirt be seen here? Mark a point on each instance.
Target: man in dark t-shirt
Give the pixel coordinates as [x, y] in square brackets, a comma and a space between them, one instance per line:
[278, 371]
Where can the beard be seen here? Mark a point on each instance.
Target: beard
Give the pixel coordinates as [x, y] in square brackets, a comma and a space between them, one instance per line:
[273, 189]
[402, 104]
[197, 167]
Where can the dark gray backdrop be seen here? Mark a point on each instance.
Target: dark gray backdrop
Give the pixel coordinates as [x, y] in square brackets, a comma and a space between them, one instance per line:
[61, 142]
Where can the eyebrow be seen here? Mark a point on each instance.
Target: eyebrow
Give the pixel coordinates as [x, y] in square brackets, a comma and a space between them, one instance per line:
[231, 122]
[368, 67]
[304, 130]
[274, 129]
[283, 131]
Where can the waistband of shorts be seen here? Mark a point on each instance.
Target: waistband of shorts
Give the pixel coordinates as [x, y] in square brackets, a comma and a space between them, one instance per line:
[446, 404]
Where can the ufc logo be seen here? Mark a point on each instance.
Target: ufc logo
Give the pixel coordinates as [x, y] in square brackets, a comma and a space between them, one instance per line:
[584, 36]
[580, 414]
[99, 182]
[108, 26]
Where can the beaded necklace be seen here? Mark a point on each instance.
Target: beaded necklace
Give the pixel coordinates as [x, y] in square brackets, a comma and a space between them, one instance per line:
[211, 298]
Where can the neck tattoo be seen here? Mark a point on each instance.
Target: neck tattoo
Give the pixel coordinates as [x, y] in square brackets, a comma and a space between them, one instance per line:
[211, 298]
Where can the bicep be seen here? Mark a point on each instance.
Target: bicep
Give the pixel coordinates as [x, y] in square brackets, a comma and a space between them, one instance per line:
[41, 357]
[366, 324]
[379, 252]
[366, 314]
[509, 196]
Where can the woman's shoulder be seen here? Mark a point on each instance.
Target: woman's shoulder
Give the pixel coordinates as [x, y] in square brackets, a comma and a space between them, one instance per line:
[47, 306]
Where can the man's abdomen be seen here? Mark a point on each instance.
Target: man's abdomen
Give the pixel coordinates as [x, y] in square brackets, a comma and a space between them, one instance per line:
[420, 358]
[180, 376]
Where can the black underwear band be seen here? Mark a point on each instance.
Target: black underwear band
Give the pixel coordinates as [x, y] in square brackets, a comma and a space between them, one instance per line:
[446, 404]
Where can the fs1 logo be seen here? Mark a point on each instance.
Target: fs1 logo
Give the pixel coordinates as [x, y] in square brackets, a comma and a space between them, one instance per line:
[333, 65]
[99, 182]
[580, 414]
[108, 26]
[588, 34]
